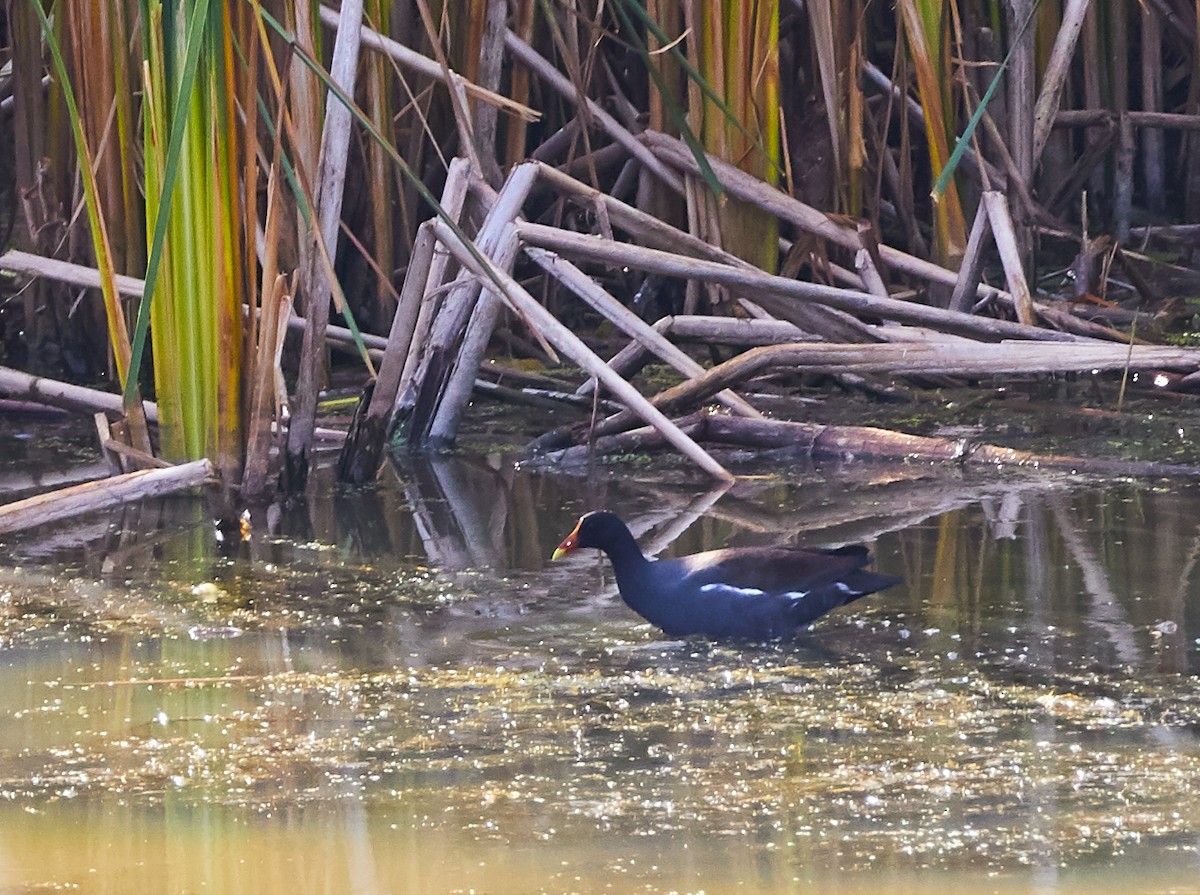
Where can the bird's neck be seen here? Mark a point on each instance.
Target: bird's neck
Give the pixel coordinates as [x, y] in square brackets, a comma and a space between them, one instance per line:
[628, 563]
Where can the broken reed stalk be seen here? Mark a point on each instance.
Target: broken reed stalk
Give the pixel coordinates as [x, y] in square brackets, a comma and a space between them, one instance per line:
[627, 255]
[415, 311]
[16, 384]
[315, 282]
[950, 359]
[429, 68]
[102, 494]
[649, 230]
[628, 322]
[472, 350]
[132, 287]
[817, 441]
[1010, 255]
[708, 330]
[424, 394]
[970, 273]
[818, 223]
[571, 345]
[1057, 70]
[748, 188]
[529, 57]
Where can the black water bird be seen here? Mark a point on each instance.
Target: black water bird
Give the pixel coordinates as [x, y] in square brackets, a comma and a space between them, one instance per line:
[750, 593]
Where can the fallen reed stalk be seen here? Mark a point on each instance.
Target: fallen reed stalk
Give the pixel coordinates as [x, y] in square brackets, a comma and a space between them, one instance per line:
[529, 57]
[572, 346]
[16, 384]
[958, 359]
[628, 322]
[756, 282]
[819, 442]
[102, 494]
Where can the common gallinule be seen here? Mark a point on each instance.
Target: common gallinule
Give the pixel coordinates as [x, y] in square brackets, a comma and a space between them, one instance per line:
[752, 593]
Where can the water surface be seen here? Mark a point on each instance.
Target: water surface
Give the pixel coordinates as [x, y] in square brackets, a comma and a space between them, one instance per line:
[392, 691]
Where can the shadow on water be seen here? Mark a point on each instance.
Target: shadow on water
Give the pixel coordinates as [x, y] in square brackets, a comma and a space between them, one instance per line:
[390, 690]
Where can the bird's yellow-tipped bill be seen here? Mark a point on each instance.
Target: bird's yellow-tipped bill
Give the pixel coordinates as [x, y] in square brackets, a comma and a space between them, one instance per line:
[569, 543]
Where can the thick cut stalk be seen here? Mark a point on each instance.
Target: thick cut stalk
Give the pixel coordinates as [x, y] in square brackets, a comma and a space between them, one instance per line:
[471, 352]
[424, 394]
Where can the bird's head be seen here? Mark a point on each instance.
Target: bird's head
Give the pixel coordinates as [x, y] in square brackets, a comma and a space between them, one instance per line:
[597, 529]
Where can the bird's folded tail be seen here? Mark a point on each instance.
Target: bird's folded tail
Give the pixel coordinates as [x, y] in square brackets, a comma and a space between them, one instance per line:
[861, 583]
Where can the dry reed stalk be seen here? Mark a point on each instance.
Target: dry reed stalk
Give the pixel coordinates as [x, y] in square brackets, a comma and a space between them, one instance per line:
[426, 67]
[1021, 90]
[316, 284]
[925, 35]
[400, 345]
[1010, 255]
[261, 347]
[454, 195]
[66, 272]
[525, 54]
[867, 442]
[1059, 67]
[628, 322]
[1153, 149]
[460, 380]
[515, 136]
[304, 98]
[423, 394]
[16, 384]
[118, 333]
[381, 176]
[801, 215]
[491, 63]
[963, 297]
[649, 230]
[744, 333]
[572, 346]
[103, 494]
[626, 255]
[954, 359]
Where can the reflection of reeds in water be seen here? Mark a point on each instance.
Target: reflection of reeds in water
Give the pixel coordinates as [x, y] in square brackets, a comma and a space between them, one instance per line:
[403, 749]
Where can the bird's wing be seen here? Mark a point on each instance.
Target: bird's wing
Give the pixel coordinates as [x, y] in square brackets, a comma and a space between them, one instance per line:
[771, 570]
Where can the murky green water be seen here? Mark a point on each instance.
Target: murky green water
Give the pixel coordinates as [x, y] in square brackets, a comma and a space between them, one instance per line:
[392, 693]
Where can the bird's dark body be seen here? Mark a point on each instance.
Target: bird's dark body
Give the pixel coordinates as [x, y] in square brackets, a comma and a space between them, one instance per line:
[754, 593]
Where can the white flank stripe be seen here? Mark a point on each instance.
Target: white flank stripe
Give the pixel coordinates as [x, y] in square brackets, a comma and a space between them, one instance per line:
[737, 591]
